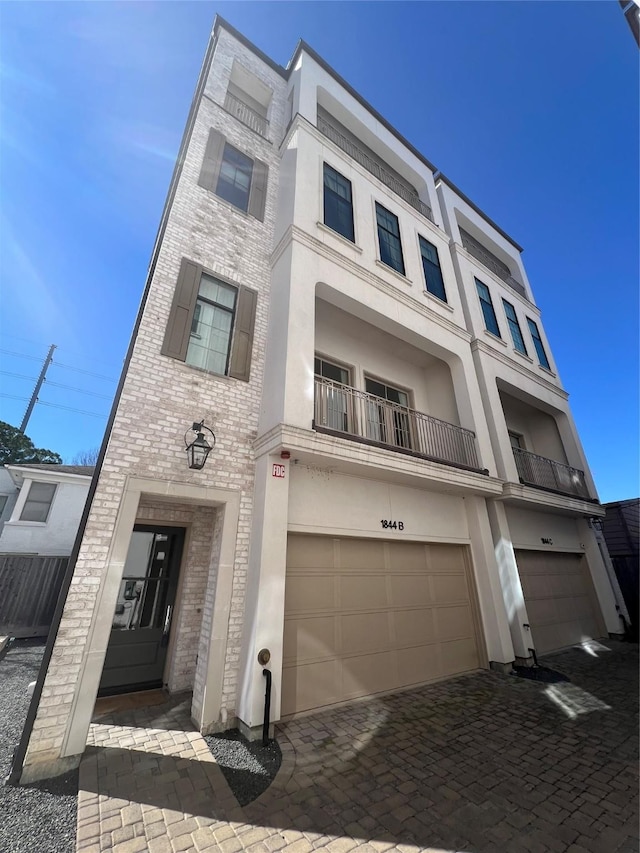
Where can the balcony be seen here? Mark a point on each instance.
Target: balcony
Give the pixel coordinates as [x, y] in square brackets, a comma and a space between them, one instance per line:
[345, 411]
[543, 473]
[246, 114]
[378, 171]
[489, 260]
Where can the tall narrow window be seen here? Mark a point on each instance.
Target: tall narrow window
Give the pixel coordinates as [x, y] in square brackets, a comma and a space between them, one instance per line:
[389, 239]
[38, 503]
[234, 180]
[514, 327]
[432, 271]
[490, 319]
[537, 342]
[338, 206]
[332, 401]
[388, 424]
[211, 325]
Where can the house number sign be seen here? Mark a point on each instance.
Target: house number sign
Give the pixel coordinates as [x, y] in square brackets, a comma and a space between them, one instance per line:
[391, 525]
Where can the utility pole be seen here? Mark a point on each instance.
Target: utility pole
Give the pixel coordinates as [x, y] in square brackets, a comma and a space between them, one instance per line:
[34, 396]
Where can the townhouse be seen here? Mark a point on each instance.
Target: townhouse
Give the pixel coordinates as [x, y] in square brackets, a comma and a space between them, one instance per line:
[394, 492]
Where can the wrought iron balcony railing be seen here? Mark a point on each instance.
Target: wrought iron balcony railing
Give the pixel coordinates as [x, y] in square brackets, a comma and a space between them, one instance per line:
[489, 260]
[374, 168]
[367, 418]
[548, 474]
[246, 114]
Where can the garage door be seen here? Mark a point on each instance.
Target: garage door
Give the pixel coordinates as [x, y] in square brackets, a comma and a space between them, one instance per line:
[560, 599]
[365, 616]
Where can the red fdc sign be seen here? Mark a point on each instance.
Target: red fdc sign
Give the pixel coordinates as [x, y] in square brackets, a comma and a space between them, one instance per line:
[278, 470]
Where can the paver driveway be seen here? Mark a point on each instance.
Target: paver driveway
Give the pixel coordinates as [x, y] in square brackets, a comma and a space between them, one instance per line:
[483, 762]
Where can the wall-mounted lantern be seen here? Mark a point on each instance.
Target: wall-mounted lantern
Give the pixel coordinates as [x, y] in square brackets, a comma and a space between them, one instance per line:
[199, 449]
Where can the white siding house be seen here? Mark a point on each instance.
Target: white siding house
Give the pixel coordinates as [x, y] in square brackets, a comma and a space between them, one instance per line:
[41, 507]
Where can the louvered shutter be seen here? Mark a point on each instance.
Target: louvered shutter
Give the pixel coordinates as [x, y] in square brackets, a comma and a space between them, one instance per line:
[212, 160]
[176, 339]
[258, 194]
[240, 362]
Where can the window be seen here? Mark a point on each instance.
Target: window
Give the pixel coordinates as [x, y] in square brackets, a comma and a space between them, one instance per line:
[330, 371]
[332, 402]
[38, 503]
[537, 342]
[338, 206]
[388, 424]
[514, 326]
[517, 441]
[432, 271]
[233, 176]
[490, 319]
[211, 323]
[389, 239]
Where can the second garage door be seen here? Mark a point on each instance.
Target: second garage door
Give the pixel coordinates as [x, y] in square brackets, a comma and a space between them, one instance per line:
[560, 599]
[364, 616]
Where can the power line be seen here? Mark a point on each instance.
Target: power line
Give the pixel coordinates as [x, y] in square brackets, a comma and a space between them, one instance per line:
[60, 364]
[55, 406]
[57, 385]
[69, 409]
[87, 372]
[79, 390]
[21, 355]
[18, 375]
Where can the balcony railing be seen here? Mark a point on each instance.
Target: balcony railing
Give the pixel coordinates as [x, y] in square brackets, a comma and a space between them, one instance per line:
[374, 168]
[548, 474]
[489, 260]
[367, 418]
[246, 115]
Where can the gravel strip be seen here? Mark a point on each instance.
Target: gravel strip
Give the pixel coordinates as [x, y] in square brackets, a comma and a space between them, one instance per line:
[37, 818]
[248, 766]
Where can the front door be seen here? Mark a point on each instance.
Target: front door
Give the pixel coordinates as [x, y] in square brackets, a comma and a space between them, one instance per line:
[140, 630]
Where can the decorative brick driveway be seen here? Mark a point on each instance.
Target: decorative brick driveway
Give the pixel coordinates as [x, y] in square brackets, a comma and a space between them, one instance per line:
[484, 762]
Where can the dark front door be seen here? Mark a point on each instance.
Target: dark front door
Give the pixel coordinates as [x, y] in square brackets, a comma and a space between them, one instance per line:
[140, 630]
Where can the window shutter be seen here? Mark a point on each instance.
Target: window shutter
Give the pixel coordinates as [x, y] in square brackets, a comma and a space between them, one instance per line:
[258, 195]
[240, 362]
[176, 338]
[212, 159]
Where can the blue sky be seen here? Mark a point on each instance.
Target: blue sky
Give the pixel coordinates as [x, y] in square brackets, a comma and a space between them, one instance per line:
[531, 108]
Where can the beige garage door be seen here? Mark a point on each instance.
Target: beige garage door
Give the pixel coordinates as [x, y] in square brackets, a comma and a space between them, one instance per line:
[364, 616]
[560, 600]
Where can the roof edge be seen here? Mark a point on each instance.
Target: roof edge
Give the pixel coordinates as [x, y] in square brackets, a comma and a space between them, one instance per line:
[439, 176]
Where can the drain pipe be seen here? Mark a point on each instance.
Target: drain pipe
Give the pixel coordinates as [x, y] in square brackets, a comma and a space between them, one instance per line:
[534, 656]
[267, 707]
[264, 656]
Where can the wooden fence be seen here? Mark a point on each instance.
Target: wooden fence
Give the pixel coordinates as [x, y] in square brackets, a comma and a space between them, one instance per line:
[29, 589]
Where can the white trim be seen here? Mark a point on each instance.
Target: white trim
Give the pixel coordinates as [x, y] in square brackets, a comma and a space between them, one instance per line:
[95, 647]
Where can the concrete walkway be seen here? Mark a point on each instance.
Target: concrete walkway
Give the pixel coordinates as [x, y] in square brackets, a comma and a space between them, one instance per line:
[483, 762]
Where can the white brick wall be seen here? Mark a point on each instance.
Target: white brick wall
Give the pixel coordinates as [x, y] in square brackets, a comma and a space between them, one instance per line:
[160, 400]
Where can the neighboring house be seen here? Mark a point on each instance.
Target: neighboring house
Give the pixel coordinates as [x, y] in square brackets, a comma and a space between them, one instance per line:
[621, 532]
[41, 507]
[397, 492]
